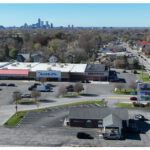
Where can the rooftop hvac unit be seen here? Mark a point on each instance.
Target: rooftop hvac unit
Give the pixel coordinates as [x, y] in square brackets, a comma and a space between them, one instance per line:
[13, 65]
[53, 64]
[49, 68]
[29, 65]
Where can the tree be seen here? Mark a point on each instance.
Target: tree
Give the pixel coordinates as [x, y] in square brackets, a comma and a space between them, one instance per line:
[35, 94]
[136, 64]
[119, 86]
[62, 91]
[78, 87]
[13, 53]
[16, 97]
[6, 50]
[43, 80]
[2, 55]
[133, 85]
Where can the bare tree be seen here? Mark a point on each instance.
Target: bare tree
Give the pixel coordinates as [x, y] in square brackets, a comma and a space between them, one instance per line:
[16, 97]
[36, 94]
[78, 87]
[119, 86]
[133, 85]
[62, 91]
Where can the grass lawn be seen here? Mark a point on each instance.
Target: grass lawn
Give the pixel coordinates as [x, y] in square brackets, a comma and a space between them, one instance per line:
[16, 118]
[124, 91]
[128, 105]
[144, 77]
[28, 101]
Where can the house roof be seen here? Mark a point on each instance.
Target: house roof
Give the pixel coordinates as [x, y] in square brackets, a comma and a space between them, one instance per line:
[112, 121]
[97, 113]
[26, 56]
[95, 67]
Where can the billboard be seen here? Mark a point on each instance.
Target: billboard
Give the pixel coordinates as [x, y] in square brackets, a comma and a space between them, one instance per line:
[48, 74]
[143, 92]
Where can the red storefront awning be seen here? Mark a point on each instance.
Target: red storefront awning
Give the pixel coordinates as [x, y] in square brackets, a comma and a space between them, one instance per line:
[143, 42]
[14, 72]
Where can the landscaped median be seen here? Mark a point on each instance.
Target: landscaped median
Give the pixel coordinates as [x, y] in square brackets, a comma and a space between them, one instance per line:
[133, 105]
[124, 91]
[144, 77]
[16, 118]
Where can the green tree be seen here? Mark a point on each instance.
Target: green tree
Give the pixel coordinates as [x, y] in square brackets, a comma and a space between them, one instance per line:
[2, 54]
[13, 53]
[136, 64]
[6, 50]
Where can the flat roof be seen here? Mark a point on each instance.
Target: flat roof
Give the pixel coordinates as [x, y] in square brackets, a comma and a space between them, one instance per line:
[20, 65]
[62, 67]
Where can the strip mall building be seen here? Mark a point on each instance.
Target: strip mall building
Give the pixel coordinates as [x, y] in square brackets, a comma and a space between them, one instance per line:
[53, 71]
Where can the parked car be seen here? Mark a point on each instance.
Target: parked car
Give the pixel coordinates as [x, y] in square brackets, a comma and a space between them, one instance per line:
[70, 88]
[139, 117]
[26, 96]
[133, 98]
[36, 84]
[49, 85]
[82, 135]
[31, 88]
[124, 71]
[3, 84]
[43, 88]
[11, 84]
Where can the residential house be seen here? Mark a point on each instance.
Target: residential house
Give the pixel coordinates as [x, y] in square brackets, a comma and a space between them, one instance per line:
[53, 59]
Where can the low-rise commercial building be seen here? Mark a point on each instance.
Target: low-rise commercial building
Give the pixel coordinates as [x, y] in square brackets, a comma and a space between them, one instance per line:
[111, 120]
[97, 72]
[54, 71]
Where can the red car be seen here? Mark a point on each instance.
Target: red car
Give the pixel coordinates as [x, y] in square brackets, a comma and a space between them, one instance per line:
[133, 98]
[69, 86]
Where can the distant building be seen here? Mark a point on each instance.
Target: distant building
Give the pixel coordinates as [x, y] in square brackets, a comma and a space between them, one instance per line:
[37, 56]
[51, 25]
[39, 22]
[47, 25]
[53, 59]
[23, 56]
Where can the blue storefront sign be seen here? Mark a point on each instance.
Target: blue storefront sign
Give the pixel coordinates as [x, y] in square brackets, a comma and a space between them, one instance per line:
[48, 74]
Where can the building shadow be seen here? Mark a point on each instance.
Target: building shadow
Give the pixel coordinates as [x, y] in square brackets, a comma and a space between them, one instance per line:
[136, 127]
[46, 101]
[89, 95]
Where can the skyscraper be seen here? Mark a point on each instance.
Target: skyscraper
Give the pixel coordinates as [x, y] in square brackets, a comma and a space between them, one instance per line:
[51, 25]
[39, 22]
[46, 23]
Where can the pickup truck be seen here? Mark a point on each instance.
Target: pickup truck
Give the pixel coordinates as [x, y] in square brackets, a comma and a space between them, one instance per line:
[43, 88]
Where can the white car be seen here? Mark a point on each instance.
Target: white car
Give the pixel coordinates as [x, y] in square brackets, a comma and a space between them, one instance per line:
[138, 81]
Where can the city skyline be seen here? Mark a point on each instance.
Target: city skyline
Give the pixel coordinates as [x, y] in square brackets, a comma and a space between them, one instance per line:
[86, 15]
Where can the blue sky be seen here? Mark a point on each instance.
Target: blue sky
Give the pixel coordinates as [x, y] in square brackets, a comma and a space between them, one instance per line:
[119, 15]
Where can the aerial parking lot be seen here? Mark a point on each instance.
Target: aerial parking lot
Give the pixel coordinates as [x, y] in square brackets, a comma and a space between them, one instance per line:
[92, 89]
[49, 126]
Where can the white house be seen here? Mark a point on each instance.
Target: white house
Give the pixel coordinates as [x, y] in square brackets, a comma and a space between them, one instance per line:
[53, 59]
